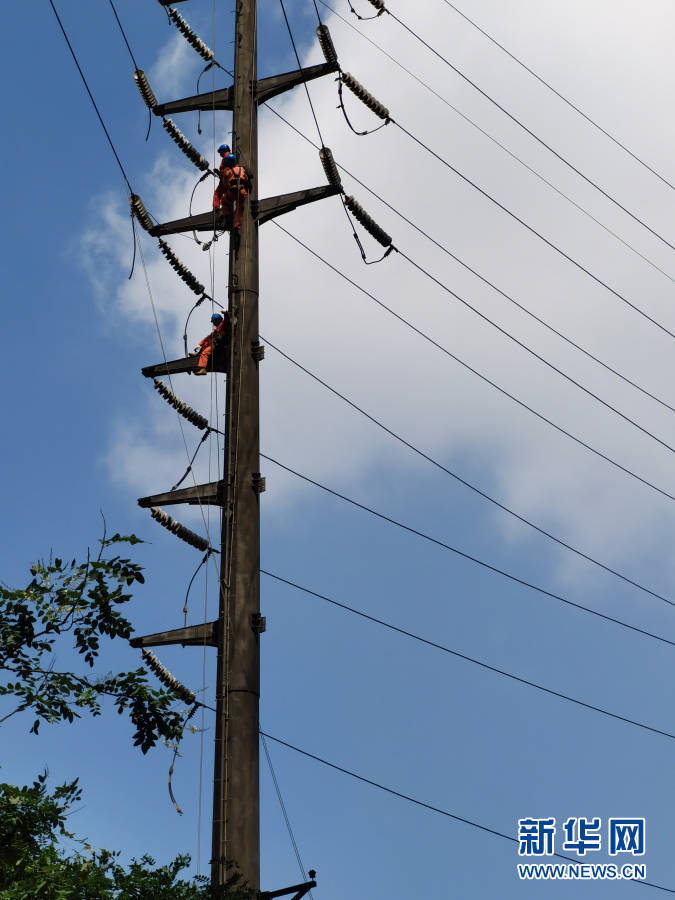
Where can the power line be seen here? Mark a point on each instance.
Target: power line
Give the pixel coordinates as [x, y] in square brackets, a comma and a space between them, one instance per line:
[297, 57]
[91, 97]
[533, 353]
[124, 36]
[436, 541]
[470, 368]
[579, 606]
[532, 230]
[560, 96]
[499, 144]
[458, 478]
[477, 662]
[531, 133]
[280, 798]
[436, 809]
[482, 277]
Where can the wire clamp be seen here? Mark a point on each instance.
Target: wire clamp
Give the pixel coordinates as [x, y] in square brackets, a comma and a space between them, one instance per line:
[258, 483]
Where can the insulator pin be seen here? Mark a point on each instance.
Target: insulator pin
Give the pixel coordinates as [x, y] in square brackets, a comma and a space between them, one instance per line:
[195, 42]
[186, 411]
[369, 224]
[326, 44]
[180, 269]
[379, 6]
[164, 519]
[329, 167]
[185, 145]
[167, 679]
[365, 96]
[145, 90]
[138, 209]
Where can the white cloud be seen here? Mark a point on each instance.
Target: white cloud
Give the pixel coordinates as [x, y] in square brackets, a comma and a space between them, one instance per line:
[369, 356]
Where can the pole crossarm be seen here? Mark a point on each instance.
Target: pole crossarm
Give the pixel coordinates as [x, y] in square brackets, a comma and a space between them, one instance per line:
[299, 889]
[271, 207]
[217, 363]
[265, 89]
[262, 211]
[190, 636]
[212, 494]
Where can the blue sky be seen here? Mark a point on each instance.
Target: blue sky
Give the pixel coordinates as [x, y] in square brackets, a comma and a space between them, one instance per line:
[85, 432]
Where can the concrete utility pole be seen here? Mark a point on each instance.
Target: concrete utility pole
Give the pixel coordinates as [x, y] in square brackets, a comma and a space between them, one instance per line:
[236, 794]
[236, 632]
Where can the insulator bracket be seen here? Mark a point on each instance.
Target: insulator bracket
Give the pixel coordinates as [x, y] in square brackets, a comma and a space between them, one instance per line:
[186, 411]
[365, 96]
[330, 168]
[180, 269]
[193, 40]
[164, 519]
[182, 142]
[326, 44]
[167, 678]
[138, 209]
[258, 623]
[257, 351]
[145, 90]
[368, 223]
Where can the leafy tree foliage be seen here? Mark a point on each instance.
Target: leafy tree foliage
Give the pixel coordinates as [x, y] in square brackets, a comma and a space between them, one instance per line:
[77, 603]
[66, 609]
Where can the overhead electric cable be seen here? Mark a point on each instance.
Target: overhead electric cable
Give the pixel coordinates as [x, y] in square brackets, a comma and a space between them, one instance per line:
[477, 662]
[499, 144]
[297, 57]
[531, 133]
[436, 809]
[482, 277]
[461, 480]
[117, 19]
[534, 353]
[579, 606]
[280, 798]
[436, 541]
[559, 95]
[91, 97]
[533, 230]
[470, 368]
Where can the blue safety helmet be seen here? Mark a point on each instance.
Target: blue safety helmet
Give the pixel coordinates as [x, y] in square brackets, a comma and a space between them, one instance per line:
[230, 160]
[224, 148]
[216, 317]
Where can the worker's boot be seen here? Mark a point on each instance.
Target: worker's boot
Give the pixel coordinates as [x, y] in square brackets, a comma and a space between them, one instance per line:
[200, 371]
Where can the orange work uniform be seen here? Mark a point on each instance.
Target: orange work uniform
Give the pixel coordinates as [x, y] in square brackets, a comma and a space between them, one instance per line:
[217, 336]
[231, 192]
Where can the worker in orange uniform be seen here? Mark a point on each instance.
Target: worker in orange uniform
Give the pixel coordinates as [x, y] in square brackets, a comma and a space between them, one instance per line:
[232, 190]
[217, 338]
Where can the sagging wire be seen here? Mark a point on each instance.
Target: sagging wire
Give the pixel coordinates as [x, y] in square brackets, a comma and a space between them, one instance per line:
[197, 570]
[365, 97]
[283, 807]
[190, 714]
[379, 6]
[371, 226]
[189, 468]
[206, 68]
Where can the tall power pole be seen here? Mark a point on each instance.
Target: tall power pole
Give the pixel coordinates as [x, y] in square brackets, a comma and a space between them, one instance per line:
[236, 784]
[236, 632]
